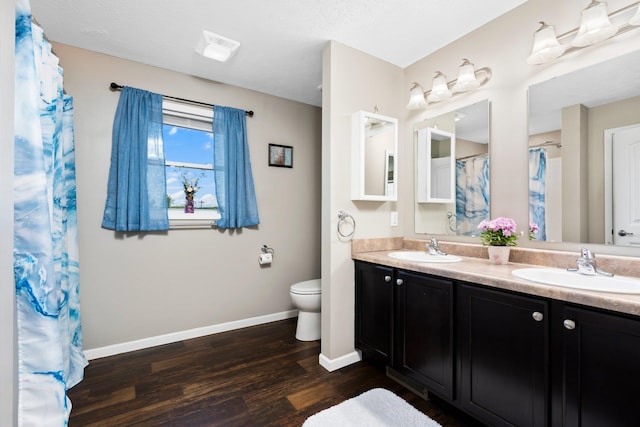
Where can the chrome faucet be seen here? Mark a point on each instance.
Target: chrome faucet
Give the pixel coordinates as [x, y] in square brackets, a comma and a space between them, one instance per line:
[587, 264]
[433, 247]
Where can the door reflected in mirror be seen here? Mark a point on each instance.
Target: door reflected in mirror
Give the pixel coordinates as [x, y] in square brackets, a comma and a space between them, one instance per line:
[436, 166]
[469, 204]
[374, 157]
[577, 122]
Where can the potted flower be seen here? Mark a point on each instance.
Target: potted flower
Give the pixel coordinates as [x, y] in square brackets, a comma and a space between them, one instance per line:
[190, 189]
[533, 230]
[499, 235]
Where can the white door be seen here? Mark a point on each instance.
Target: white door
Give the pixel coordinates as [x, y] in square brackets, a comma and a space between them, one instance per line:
[626, 187]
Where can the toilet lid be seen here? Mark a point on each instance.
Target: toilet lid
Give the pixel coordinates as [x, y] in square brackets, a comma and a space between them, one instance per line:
[309, 287]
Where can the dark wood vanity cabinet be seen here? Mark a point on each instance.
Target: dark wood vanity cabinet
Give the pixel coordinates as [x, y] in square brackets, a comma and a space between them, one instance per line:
[505, 358]
[503, 349]
[424, 336]
[373, 310]
[597, 372]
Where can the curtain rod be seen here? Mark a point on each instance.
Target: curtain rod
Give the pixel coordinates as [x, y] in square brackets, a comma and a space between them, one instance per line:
[472, 156]
[116, 86]
[547, 144]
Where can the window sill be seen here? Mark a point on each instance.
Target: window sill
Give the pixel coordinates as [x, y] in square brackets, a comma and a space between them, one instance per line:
[198, 219]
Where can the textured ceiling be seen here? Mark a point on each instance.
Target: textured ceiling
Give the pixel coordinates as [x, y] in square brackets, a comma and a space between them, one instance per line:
[281, 40]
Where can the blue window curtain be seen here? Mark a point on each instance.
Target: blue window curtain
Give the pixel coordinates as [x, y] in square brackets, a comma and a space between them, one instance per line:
[537, 190]
[136, 193]
[232, 169]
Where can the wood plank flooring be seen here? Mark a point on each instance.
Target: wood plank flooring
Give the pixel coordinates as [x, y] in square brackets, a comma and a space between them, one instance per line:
[258, 376]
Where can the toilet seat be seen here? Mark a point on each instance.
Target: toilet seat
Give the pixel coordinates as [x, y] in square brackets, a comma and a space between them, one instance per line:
[308, 287]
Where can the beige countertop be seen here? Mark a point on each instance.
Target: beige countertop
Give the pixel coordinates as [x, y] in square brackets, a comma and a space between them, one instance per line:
[477, 269]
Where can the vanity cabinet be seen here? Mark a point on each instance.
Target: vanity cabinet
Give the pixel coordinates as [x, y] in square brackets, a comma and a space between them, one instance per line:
[597, 376]
[373, 310]
[423, 326]
[503, 352]
[503, 357]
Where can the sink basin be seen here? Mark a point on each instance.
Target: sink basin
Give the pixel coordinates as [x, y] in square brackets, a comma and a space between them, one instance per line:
[571, 279]
[420, 256]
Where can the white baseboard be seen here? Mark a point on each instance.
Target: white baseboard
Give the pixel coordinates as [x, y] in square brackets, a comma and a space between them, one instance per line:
[340, 362]
[111, 350]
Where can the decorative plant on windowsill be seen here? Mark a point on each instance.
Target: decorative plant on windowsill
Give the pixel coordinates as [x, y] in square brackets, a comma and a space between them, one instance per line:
[498, 232]
[190, 189]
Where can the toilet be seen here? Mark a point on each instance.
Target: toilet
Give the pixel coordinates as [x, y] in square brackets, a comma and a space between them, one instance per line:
[306, 298]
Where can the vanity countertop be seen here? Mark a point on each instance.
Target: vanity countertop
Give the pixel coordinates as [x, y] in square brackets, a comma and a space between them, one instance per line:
[478, 270]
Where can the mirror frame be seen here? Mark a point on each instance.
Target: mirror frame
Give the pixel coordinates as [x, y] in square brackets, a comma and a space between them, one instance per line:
[358, 145]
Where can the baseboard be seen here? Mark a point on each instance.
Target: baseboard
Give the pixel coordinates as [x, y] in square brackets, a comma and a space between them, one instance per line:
[340, 362]
[112, 350]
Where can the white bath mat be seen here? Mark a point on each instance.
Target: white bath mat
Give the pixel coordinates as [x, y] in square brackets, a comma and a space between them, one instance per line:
[375, 408]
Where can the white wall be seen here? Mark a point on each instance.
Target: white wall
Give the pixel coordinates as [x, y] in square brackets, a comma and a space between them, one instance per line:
[135, 286]
[8, 352]
[352, 81]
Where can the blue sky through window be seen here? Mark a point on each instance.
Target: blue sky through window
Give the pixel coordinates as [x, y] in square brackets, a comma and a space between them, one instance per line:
[195, 147]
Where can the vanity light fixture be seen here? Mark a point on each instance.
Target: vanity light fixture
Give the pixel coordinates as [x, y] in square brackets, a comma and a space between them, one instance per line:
[468, 79]
[595, 26]
[214, 46]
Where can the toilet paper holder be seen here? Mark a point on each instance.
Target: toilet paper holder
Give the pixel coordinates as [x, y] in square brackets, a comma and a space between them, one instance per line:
[266, 257]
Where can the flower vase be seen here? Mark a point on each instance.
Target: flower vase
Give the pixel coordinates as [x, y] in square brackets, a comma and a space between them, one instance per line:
[188, 206]
[499, 254]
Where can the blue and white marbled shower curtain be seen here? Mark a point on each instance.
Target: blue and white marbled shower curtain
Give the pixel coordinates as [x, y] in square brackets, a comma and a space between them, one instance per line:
[472, 194]
[537, 190]
[46, 269]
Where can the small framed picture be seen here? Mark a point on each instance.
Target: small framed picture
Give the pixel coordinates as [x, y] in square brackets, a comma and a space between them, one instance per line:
[280, 156]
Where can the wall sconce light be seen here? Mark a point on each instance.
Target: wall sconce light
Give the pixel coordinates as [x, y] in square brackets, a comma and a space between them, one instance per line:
[468, 79]
[595, 26]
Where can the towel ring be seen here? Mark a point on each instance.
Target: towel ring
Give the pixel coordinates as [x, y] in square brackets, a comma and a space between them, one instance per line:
[345, 217]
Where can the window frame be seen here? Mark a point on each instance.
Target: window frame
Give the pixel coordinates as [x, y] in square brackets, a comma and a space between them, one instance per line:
[197, 117]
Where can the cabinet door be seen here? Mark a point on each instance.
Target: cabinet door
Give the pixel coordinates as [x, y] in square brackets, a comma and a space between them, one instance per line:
[374, 300]
[601, 368]
[503, 357]
[424, 331]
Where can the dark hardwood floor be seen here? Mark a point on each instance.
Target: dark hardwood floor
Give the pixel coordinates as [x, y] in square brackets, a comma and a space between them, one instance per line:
[258, 376]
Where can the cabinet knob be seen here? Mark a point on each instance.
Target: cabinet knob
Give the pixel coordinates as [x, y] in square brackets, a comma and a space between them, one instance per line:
[537, 316]
[387, 278]
[399, 282]
[569, 324]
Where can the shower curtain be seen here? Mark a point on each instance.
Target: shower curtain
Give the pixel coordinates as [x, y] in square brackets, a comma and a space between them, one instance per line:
[50, 357]
[537, 190]
[472, 194]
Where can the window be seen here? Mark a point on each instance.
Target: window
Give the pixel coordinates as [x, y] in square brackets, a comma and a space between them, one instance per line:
[188, 150]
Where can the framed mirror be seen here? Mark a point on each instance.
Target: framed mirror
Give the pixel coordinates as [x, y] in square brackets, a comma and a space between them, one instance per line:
[374, 157]
[470, 203]
[436, 165]
[579, 124]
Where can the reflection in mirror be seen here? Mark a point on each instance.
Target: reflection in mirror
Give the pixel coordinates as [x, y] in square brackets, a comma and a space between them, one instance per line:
[374, 157]
[435, 161]
[579, 124]
[470, 127]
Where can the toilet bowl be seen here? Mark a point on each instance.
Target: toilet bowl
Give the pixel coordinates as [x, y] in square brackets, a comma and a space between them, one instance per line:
[306, 296]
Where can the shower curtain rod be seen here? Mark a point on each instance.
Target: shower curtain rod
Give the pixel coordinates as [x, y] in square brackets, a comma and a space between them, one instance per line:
[116, 86]
[472, 156]
[547, 144]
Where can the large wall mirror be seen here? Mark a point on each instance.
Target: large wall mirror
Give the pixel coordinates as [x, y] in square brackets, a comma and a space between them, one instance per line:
[584, 154]
[468, 127]
[374, 143]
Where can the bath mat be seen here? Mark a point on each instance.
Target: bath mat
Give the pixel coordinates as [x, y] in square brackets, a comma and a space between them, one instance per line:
[374, 408]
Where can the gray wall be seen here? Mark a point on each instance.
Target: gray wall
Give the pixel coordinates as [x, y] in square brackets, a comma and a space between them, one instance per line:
[139, 286]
